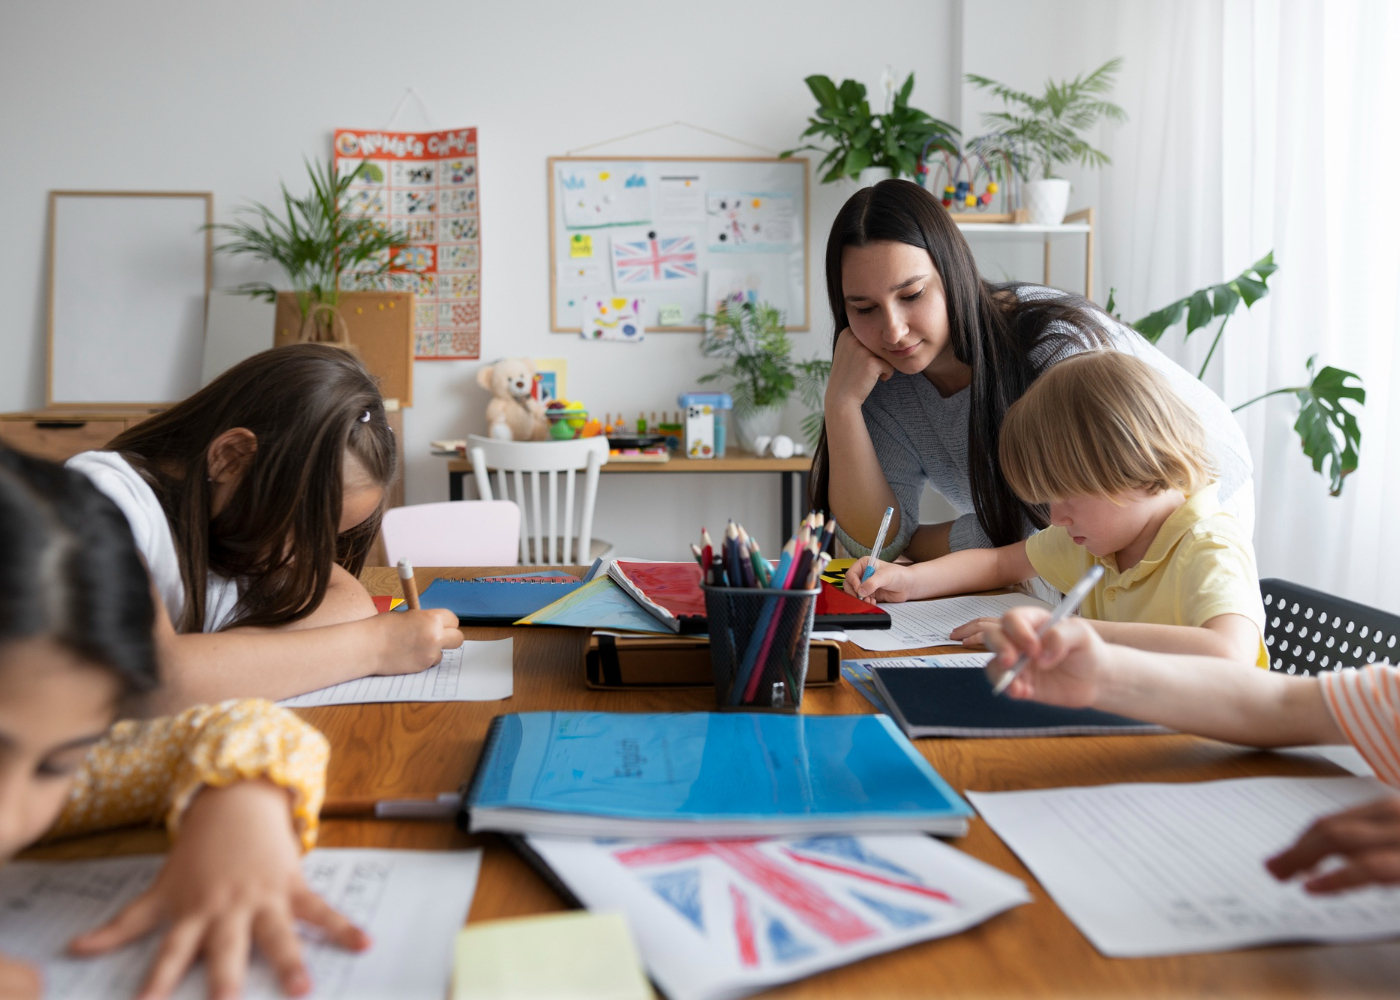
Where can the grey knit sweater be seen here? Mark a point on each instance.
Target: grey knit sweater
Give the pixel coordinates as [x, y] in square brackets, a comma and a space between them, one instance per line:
[920, 436]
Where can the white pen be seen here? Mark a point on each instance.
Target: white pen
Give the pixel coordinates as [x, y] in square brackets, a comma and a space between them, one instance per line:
[879, 544]
[1067, 606]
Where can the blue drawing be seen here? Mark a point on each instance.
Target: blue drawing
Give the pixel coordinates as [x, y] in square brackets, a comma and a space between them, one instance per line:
[897, 915]
[786, 947]
[635, 181]
[682, 890]
[852, 849]
[572, 182]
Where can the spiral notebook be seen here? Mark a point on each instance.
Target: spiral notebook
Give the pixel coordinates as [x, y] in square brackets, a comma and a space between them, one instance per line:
[497, 600]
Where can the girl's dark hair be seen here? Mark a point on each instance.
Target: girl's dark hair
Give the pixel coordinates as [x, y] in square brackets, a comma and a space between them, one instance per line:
[307, 404]
[69, 570]
[992, 329]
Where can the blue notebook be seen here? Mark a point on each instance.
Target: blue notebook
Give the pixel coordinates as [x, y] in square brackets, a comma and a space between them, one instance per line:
[705, 774]
[497, 600]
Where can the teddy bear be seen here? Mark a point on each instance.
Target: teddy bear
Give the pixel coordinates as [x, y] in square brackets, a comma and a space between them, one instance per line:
[513, 413]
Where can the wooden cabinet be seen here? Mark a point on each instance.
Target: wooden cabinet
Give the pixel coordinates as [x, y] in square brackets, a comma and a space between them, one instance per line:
[58, 435]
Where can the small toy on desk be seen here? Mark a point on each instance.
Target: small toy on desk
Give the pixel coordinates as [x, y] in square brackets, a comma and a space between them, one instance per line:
[513, 413]
[567, 420]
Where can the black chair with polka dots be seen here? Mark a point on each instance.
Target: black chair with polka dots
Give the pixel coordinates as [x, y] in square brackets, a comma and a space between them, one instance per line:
[1308, 631]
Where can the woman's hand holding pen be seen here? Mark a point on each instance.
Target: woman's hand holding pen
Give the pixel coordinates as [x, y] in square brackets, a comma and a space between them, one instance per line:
[854, 372]
[889, 584]
[1067, 666]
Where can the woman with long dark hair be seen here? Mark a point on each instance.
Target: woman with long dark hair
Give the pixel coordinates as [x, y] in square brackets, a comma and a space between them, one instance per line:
[928, 357]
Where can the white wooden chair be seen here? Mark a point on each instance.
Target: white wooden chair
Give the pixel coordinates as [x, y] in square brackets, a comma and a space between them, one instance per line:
[455, 533]
[541, 541]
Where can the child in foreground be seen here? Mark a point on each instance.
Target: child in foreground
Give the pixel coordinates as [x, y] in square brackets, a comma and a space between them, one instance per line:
[1072, 666]
[238, 784]
[1119, 460]
[254, 503]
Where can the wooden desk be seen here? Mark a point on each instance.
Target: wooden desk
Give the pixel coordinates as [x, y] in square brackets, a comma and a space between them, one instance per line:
[793, 472]
[422, 749]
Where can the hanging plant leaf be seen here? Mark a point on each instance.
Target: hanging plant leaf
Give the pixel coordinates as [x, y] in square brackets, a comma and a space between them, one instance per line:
[1328, 429]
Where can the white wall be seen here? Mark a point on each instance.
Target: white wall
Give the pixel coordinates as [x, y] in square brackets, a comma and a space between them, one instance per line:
[229, 97]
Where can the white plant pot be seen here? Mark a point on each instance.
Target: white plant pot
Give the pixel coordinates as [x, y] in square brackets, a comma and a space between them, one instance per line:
[754, 424]
[1046, 200]
[871, 176]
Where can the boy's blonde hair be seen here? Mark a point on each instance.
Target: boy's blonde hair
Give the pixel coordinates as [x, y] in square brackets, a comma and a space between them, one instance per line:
[1101, 423]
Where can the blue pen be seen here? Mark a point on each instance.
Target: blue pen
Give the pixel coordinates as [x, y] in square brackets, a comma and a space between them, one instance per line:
[879, 544]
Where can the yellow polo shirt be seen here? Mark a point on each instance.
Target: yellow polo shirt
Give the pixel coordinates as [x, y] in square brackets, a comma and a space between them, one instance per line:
[1199, 566]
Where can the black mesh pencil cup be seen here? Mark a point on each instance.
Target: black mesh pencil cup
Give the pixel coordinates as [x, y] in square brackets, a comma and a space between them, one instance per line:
[758, 646]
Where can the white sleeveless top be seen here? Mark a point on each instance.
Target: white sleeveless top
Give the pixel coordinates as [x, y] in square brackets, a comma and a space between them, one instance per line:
[126, 488]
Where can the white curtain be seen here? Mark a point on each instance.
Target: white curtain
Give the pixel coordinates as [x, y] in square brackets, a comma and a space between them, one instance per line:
[1273, 124]
[1317, 86]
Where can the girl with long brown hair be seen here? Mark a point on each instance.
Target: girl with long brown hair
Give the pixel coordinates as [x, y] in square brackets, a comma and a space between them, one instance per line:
[254, 503]
[928, 357]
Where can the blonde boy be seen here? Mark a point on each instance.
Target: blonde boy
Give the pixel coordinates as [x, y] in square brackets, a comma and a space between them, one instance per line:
[1104, 442]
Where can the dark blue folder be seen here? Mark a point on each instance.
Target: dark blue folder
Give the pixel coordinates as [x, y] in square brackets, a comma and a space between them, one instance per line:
[958, 701]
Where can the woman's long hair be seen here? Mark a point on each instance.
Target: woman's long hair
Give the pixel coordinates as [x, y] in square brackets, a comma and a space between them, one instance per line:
[70, 572]
[307, 404]
[992, 331]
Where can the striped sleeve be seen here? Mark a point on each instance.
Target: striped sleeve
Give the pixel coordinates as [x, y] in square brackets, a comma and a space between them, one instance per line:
[1366, 704]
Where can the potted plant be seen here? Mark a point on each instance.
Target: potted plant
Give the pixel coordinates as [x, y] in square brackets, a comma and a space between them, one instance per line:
[869, 147]
[318, 239]
[761, 372]
[1042, 132]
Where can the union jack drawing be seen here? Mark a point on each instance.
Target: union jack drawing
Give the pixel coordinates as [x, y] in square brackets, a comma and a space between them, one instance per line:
[667, 258]
[784, 901]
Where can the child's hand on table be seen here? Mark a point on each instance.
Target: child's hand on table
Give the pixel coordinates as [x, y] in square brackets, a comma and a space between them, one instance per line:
[1068, 665]
[233, 879]
[414, 640]
[1366, 838]
[973, 633]
[890, 583]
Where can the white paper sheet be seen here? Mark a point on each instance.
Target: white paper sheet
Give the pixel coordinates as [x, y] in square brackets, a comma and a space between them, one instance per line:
[412, 903]
[721, 919]
[915, 624]
[1347, 757]
[475, 671]
[1173, 869]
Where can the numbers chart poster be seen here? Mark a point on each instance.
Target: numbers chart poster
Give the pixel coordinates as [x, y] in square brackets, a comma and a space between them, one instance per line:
[426, 184]
[674, 235]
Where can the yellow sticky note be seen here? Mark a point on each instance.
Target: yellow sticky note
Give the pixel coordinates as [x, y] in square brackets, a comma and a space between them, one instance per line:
[585, 956]
[581, 245]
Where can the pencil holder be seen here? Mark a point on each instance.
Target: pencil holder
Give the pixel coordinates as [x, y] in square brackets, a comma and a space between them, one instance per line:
[758, 646]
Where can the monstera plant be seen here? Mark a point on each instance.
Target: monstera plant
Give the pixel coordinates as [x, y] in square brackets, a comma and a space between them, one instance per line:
[1328, 430]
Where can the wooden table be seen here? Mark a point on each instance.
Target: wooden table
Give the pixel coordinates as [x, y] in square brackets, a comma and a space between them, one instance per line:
[793, 472]
[422, 749]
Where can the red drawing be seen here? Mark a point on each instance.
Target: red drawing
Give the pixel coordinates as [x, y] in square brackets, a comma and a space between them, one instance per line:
[922, 890]
[808, 902]
[743, 927]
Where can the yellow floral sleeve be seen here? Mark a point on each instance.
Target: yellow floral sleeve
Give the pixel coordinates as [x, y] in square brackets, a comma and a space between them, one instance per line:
[151, 770]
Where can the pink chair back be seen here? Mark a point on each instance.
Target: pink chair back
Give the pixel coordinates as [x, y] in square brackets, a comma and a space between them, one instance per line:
[455, 533]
